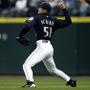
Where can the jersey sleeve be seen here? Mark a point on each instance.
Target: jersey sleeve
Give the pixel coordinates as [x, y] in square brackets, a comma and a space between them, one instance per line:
[31, 21]
[63, 23]
[29, 24]
[24, 30]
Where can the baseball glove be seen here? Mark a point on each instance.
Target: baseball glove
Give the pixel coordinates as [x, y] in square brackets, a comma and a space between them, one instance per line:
[23, 41]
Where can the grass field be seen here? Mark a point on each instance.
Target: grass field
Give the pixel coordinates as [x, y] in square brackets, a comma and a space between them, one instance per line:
[43, 83]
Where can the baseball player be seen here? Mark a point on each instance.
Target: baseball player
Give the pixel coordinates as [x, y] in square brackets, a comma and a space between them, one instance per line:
[45, 26]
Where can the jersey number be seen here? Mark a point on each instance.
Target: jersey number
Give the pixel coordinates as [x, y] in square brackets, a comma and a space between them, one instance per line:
[48, 31]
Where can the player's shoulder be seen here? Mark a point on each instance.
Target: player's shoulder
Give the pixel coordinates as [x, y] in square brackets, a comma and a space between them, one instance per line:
[32, 18]
[38, 16]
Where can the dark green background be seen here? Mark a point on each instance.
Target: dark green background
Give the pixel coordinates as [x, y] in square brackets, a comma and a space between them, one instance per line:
[71, 44]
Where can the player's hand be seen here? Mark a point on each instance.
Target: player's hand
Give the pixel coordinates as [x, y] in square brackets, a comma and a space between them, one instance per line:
[23, 41]
[62, 6]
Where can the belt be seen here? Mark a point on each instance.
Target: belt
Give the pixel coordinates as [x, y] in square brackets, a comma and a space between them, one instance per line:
[43, 41]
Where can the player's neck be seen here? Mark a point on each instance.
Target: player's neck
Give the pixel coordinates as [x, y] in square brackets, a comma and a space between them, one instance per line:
[44, 14]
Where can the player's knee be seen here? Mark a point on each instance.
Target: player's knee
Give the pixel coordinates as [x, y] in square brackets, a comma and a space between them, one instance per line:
[52, 71]
[25, 65]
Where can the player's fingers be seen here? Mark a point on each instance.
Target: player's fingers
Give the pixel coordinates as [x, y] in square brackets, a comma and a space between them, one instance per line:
[61, 3]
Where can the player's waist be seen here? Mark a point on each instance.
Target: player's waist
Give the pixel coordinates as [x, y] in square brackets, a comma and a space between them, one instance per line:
[43, 41]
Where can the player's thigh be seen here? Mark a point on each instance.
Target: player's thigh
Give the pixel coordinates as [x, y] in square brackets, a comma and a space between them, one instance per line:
[34, 58]
[49, 63]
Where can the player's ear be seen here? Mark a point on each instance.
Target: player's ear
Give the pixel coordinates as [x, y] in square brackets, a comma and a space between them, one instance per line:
[45, 11]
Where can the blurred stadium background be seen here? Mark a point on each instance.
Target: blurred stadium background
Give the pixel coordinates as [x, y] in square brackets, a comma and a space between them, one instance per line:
[25, 8]
[72, 44]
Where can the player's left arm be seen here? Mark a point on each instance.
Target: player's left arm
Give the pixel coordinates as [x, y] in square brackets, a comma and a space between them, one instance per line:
[63, 23]
[29, 24]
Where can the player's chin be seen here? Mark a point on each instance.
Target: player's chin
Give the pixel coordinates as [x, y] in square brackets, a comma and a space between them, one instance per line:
[38, 12]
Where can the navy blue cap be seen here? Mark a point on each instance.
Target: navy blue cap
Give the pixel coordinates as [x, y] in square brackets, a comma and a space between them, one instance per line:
[46, 6]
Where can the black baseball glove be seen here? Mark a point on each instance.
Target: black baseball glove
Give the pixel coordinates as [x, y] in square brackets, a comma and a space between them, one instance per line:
[23, 41]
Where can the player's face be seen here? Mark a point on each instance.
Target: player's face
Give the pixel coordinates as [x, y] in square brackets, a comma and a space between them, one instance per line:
[40, 10]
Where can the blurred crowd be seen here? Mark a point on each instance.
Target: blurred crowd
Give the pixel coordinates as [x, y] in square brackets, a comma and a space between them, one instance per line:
[27, 8]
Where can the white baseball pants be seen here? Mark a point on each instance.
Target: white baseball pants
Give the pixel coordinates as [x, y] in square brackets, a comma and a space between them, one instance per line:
[43, 52]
